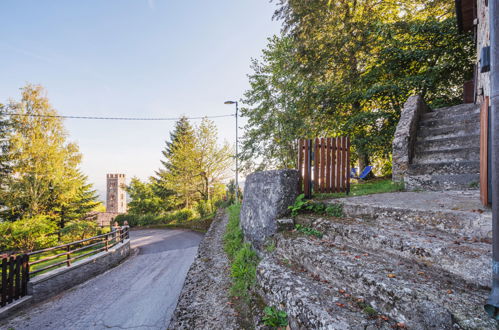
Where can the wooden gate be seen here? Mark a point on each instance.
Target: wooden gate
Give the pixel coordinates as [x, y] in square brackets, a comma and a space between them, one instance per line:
[14, 281]
[324, 165]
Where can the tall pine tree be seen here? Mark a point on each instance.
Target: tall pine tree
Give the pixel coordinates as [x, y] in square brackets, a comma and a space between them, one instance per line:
[179, 172]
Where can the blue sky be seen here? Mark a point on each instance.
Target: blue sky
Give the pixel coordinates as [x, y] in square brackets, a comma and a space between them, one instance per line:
[146, 58]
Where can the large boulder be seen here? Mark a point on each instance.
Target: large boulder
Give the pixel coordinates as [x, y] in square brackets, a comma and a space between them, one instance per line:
[267, 196]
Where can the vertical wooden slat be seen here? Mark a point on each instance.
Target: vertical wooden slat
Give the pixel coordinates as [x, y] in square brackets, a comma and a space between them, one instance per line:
[348, 165]
[300, 165]
[4, 281]
[10, 285]
[25, 275]
[344, 164]
[328, 165]
[323, 166]
[333, 165]
[306, 169]
[17, 290]
[316, 167]
[484, 146]
[338, 165]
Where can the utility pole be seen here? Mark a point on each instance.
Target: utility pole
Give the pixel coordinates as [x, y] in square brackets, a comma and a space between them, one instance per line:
[237, 148]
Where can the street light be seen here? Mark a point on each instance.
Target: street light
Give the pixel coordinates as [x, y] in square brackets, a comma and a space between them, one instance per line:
[237, 153]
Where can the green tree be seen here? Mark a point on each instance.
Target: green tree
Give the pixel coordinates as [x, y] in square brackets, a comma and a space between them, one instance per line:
[45, 178]
[147, 198]
[346, 67]
[212, 161]
[179, 172]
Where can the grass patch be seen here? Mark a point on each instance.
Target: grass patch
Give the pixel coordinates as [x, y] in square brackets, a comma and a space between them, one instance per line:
[242, 257]
[376, 186]
[58, 259]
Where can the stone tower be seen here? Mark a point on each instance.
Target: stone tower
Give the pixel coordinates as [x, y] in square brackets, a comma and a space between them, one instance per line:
[116, 195]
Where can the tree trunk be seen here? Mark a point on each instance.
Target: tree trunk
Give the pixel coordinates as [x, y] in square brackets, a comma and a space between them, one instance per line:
[363, 162]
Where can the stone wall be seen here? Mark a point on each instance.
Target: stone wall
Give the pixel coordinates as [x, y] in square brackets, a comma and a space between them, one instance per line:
[49, 284]
[267, 196]
[405, 135]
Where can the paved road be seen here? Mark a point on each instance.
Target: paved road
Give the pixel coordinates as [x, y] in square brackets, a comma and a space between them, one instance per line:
[141, 293]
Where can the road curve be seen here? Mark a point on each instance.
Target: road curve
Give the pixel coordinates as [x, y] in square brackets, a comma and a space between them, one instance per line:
[141, 293]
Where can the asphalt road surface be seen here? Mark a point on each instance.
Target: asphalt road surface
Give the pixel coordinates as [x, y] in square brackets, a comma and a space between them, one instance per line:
[140, 293]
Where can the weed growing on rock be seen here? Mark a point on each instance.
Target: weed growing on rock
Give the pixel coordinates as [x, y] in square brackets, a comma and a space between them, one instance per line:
[335, 210]
[275, 318]
[299, 205]
[308, 231]
[302, 206]
[270, 247]
[243, 259]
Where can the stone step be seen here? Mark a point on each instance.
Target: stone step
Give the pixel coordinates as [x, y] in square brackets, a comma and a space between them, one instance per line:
[425, 133]
[468, 118]
[311, 304]
[447, 155]
[450, 112]
[463, 257]
[412, 293]
[464, 141]
[458, 212]
[438, 182]
[448, 168]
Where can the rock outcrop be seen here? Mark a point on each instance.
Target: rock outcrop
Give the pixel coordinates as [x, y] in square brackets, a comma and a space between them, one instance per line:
[267, 196]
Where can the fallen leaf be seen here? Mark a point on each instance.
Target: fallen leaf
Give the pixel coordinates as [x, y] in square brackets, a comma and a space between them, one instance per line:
[450, 292]
[391, 275]
[340, 305]
[421, 273]
[341, 291]
[384, 317]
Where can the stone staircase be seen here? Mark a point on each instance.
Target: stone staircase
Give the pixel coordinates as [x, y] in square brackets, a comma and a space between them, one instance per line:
[370, 274]
[447, 150]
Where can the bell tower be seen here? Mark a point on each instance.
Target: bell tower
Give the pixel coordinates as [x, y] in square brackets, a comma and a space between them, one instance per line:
[116, 194]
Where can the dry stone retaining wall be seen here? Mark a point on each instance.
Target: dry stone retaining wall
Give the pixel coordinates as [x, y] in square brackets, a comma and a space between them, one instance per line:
[405, 135]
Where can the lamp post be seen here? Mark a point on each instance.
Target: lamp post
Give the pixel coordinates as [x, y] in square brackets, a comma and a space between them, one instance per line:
[237, 153]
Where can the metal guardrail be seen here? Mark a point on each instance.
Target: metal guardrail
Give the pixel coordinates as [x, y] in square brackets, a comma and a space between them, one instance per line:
[15, 271]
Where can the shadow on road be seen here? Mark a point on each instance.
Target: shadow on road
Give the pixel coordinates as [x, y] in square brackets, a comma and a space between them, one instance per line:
[176, 241]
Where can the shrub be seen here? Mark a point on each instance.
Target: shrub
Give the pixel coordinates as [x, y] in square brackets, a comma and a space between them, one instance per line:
[78, 230]
[205, 208]
[28, 234]
[183, 215]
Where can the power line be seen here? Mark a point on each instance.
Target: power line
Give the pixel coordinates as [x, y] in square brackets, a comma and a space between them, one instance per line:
[114, 118]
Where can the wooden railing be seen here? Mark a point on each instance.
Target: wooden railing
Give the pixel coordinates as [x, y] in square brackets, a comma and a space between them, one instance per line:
[17, 269]
[15, 277]
[324, 165]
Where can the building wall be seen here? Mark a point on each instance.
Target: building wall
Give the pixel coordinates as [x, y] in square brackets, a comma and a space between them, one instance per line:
[116, 194]
[482, 39]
